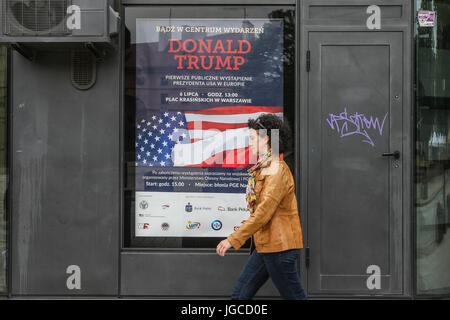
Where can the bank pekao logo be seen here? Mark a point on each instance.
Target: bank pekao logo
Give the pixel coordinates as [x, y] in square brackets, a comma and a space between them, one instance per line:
[165, 226]
[216, 225]
[193, 225]
[165, 206]
[188, 207]
[143, 205]
[237, 209]
[220, 208]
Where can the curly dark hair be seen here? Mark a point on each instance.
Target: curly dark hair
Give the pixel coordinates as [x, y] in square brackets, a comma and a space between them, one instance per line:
[270, 122]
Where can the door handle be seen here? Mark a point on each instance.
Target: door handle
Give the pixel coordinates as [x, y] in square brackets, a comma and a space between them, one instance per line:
[395, 154]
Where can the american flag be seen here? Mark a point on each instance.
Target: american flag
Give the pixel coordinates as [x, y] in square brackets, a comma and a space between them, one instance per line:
[209, 137]
[154, 138]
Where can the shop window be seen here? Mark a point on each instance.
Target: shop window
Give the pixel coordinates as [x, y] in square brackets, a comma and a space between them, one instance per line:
[432, 147]
[193, 77]
[3, 168]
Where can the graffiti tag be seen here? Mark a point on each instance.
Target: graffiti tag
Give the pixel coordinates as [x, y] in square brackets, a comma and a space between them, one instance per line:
[349, 124]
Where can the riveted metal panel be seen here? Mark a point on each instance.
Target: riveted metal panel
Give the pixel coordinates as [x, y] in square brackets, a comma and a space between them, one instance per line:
[65, 178]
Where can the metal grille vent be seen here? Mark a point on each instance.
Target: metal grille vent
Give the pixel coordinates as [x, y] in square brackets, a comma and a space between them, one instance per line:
[36, 17]
[83, 70]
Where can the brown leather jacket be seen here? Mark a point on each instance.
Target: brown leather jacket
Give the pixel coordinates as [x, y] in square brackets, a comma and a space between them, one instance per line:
[275, 223]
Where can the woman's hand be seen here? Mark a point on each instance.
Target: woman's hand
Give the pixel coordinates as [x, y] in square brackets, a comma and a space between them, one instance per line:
[222, 247]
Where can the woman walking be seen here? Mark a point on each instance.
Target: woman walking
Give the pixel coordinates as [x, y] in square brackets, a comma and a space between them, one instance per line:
[274, 224]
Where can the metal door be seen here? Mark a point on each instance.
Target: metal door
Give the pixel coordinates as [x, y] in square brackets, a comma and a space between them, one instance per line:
[355, 161]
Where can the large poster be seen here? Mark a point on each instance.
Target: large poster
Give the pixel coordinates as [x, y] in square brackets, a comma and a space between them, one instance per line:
[197, 83]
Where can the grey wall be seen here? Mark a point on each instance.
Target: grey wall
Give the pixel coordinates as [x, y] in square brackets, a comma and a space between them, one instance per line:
[65, 177]
[66, 187]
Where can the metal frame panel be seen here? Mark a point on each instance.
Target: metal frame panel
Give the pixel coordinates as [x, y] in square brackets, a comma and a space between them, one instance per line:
[405, 25]
[150, 273]
[149, 257]
[64, 187]
[209, 2]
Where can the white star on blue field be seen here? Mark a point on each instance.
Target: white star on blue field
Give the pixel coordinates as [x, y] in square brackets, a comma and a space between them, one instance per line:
[154, 138]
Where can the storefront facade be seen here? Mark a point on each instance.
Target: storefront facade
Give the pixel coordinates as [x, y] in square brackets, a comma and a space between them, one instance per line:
[361, 83]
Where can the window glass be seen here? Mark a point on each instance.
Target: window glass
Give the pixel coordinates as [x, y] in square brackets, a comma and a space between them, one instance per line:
[3, 166]
[193, 77]
[432, 32]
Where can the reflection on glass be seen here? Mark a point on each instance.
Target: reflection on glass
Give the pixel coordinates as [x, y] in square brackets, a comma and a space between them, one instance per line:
[433, 149]
[146, 64]
[3, 171]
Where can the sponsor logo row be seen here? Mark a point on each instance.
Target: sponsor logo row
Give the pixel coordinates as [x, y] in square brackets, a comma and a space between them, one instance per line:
[215, 225]
[191, 208]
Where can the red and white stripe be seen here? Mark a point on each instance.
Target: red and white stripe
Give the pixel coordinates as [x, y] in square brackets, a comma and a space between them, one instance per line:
[219, 136]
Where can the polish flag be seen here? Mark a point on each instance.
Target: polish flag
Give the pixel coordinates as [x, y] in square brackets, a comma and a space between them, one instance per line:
[219, 137]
